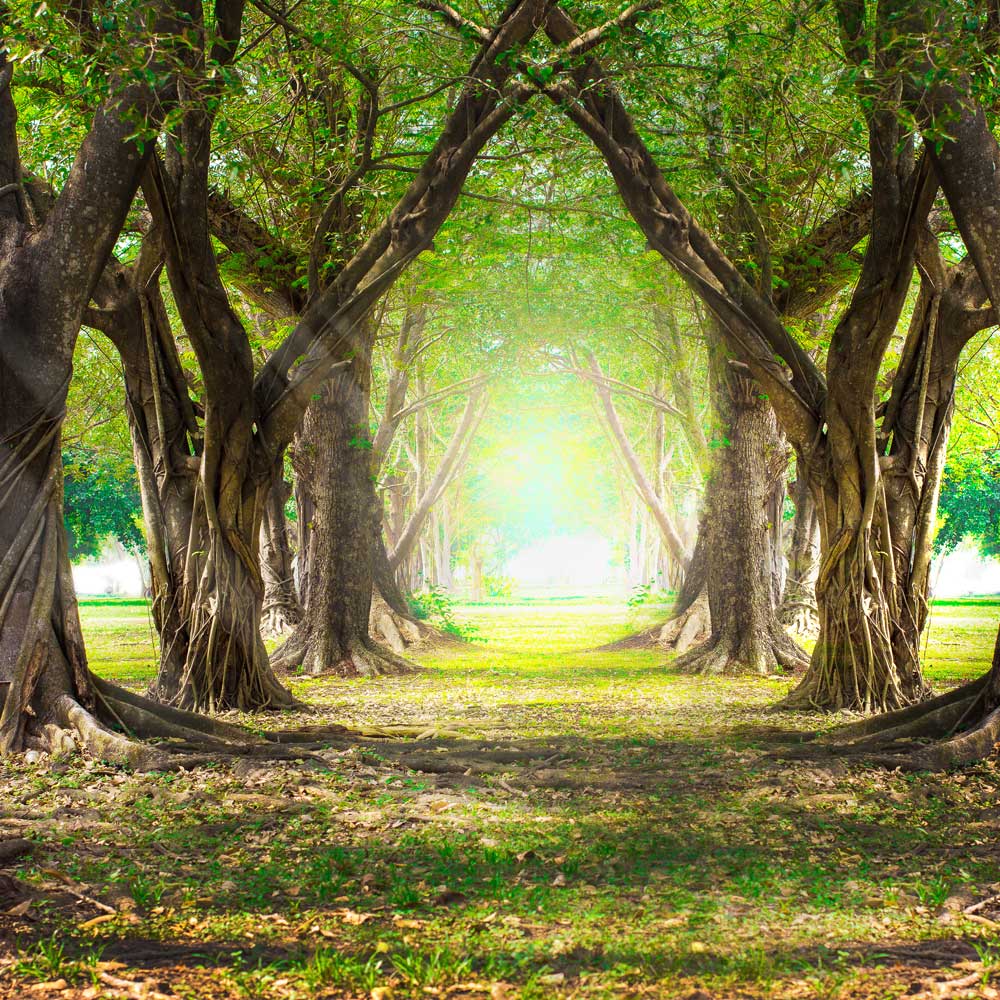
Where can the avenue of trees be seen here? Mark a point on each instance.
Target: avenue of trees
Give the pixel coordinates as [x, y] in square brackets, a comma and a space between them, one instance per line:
[275, 279]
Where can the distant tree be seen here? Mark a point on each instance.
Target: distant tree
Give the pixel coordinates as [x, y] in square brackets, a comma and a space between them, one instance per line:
[970, 504]
[101, 501]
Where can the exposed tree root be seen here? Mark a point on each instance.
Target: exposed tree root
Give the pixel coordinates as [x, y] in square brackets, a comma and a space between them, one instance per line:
[954, 729]
[800, 616]
[678, 634]
[646, 639]
[690, 627]
[279, 618]
[359, 657]
[121, 720]
[400, 632]
[731, 653]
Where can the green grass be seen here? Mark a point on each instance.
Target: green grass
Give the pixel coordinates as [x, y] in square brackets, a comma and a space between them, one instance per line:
[652, 846]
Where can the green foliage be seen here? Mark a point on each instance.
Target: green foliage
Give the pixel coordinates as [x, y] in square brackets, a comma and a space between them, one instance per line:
[436, 606]
[101, 501]
[49, 959]
[646, 593]
[970, 503]
[495, 585]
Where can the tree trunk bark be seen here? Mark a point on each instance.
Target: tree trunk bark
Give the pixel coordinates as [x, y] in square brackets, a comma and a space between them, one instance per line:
[282, 609]
[334, 471]
[831, 421]
[206, 586]
[49, 696]
[748, 472]
[798, 602]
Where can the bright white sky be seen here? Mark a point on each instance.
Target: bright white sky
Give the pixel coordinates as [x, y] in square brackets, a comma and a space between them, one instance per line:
[965, 573]
[568, 562]
[572, 563]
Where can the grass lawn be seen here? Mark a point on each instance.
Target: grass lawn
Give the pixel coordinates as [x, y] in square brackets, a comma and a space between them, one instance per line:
[571, 824]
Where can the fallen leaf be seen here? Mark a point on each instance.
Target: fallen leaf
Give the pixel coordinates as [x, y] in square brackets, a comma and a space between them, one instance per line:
[408, 923]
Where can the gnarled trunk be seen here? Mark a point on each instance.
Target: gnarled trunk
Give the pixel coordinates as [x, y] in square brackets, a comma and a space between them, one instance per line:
[917, 423]
[282, 609]
[333, 466]
[798, 600]
[858, 662]
[747, 475]
[206, 587]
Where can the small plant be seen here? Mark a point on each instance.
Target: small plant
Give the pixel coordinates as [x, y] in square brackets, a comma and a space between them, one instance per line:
[646, 593]
[404, 897]
[498, 586]
[431, 969]
[146, 892]
[329, 967]
[933, 892]
[989, 955]
[48, 960]
[436, 606]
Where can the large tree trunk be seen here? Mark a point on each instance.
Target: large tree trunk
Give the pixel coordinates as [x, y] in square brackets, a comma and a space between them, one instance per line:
[798, 601]
[333, 467]
[965, 722]
[282, 609]
[831, 421]
[50, 697]
[746, 635]
[206, 588]
[42, 659]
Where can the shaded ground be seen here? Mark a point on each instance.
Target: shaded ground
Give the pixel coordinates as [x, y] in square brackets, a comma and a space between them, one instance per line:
[569, 824]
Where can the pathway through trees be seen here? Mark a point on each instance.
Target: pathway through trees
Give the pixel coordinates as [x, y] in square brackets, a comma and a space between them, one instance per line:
[569, 821]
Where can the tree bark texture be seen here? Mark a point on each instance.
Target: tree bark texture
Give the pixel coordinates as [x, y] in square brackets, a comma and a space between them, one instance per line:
[282, 609]
[333, 465]
[747, 472]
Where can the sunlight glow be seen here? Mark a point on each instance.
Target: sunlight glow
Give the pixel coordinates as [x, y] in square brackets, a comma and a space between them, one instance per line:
[581, 561]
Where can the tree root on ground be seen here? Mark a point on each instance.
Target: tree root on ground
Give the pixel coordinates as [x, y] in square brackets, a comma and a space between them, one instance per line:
[400, 633]
[953, 729]
[731, 653]
[279, 618]
[114, 730]
[678, 634]
[361, 657]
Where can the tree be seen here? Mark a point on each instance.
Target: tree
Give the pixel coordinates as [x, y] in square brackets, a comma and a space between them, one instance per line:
[99, 502]
[52, 262]
[970, 504]
[830, 420]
